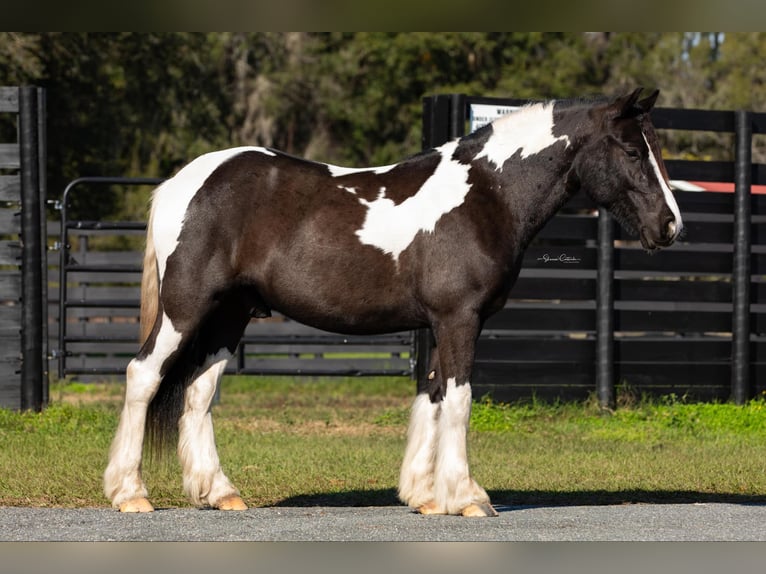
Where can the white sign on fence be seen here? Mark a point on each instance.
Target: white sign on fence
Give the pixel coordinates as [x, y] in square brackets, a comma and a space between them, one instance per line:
[482, 114]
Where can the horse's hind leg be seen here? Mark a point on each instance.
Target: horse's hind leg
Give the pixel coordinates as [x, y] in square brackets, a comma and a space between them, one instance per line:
[123, 484]
[204, 481]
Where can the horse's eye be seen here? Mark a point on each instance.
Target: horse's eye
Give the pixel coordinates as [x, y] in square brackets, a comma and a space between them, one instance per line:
[633, 154]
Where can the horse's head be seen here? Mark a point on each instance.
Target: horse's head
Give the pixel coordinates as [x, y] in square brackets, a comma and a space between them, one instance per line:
[621, 168]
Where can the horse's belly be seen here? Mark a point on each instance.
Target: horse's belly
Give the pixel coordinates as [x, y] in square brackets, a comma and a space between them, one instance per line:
[342, 302]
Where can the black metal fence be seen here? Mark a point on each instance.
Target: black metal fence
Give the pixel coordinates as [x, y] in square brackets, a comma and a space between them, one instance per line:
[689, 320]
[591, 310]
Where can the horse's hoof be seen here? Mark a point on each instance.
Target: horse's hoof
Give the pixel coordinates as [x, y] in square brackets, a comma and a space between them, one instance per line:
[137, 505]
[429, 508]
[233, 502]
[479, 510]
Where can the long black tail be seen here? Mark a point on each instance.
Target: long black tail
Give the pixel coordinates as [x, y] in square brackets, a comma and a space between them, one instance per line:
[165, 409]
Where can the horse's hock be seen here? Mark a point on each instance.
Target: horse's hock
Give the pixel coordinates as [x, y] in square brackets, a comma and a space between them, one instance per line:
[23, 365]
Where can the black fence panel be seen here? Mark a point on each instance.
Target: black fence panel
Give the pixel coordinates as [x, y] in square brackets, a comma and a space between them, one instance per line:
[592, 312]
[23, 368]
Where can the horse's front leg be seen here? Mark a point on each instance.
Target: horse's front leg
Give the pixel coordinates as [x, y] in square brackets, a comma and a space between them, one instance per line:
[416, 480]
[455, 491]
[203, 479]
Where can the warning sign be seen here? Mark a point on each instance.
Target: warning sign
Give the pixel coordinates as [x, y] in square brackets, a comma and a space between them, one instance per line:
[483, 114]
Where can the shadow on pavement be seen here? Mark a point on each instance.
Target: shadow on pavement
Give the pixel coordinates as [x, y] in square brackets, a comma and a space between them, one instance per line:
[508, 499]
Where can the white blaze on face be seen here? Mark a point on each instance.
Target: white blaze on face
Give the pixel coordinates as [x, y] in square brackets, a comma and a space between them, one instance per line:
[529, 129]
[670, 200]
[392, 228]
[171, 199]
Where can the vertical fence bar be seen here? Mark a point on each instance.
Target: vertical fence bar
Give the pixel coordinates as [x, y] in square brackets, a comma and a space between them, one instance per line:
[740, 356]
[31, 267]
[63, 262]
[457, 116]
[42, 143]
[605, 312]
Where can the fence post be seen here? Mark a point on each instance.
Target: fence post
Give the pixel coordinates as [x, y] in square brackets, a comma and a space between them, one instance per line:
[740, 356]
[42, 134]
[32, 381]
[605, 312]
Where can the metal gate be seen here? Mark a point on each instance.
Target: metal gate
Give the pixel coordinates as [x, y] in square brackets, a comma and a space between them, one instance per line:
[99, 300]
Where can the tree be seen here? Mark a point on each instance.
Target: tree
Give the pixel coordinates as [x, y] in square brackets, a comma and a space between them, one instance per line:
[146, 103]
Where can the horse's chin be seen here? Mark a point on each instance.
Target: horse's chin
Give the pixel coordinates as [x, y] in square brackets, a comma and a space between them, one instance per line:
[646, 242]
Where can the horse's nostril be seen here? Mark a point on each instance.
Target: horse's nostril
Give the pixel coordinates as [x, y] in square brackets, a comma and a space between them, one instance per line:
[672, 228]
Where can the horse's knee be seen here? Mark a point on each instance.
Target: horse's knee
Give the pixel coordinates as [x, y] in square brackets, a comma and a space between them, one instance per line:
[141, 382]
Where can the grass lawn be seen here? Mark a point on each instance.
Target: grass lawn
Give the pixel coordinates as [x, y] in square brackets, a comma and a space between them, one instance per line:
[293, 441]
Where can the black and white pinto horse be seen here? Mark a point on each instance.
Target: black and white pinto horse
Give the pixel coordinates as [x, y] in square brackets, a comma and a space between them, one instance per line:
[434, 241]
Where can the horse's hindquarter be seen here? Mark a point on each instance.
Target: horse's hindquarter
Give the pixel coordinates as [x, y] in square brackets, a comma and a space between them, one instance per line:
[295, 242]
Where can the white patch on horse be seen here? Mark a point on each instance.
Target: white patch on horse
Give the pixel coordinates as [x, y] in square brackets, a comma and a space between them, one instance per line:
[529, 129]
[416, 479]
[454, 489]
[122, 478]
[338, 171]
[172, 198]
[204, 481]
[392, 228]
[669, 197]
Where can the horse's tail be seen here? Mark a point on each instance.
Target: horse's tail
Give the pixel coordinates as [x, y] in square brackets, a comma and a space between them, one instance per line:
[150, 283]
[166, 407]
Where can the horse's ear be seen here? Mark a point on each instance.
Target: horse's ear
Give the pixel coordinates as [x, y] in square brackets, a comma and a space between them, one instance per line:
[625, 106]
[648, 102]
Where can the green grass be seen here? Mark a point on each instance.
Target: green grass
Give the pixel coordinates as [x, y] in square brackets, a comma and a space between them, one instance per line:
[340, 441]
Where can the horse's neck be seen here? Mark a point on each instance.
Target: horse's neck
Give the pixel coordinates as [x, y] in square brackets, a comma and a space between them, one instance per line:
[535, 191]
[531, 204]
[533, 198]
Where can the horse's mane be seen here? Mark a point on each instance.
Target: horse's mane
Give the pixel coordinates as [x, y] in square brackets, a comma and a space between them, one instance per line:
[582, 101]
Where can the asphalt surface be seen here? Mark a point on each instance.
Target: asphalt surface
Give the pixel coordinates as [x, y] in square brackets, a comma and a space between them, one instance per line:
[630, 522]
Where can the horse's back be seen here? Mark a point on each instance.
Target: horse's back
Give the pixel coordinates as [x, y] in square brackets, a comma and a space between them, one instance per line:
[283, 227]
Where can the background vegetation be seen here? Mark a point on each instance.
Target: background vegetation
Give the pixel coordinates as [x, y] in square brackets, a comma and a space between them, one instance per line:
[143, 104]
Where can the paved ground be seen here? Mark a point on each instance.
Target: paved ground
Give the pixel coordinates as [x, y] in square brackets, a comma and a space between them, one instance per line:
[634, 522]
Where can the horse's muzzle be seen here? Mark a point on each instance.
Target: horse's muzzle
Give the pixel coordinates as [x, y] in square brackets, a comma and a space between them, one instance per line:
[668, 233]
